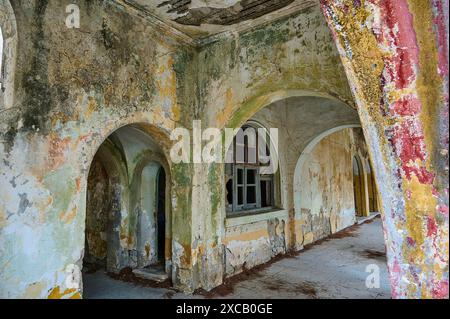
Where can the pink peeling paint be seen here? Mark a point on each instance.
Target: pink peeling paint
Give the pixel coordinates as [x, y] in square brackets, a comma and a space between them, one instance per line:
[392, 23]
[443, 210]
[410, 148]
[441, 290]
[407, 106]
[431, 226]
[401, 37]
[439, 21]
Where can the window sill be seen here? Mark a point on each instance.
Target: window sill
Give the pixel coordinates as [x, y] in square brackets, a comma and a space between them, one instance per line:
[249, 217]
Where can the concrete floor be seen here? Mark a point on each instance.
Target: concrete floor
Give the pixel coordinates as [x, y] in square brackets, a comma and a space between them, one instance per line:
[336, 268]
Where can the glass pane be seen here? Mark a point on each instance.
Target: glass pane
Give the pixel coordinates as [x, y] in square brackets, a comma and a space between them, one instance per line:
[240, 176]
[239, 153]
[251, 176]
[240, 197]
[266, 193]
[251, 155]
[251, 195]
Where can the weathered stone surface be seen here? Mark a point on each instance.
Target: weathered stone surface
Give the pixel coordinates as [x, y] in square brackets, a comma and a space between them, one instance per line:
[70, 90]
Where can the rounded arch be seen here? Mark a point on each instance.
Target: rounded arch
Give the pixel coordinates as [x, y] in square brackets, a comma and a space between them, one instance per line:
[138, 120]
[258, 125]
[277, 198]
[155, 163]
[111, 158]
[301, 116]
[304, 155]
[245, 110]
[109, 161]
[8, 28]
[127, 163]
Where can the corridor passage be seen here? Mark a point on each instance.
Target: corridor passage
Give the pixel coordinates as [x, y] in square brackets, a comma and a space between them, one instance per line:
[334, 268]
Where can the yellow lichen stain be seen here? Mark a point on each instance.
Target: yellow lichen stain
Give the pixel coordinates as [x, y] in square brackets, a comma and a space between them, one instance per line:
[76, 296]
[309, 238]
[2, 218]
[186, 256]
[195, 253]
[366, 65]
[168, 249]
[298, 231]
[166, 85]
[417, 211]
[176, 112]
[223, 117]
[429, 84]
[247, 236]
[66, 294]
[91, 106]
[147, 250]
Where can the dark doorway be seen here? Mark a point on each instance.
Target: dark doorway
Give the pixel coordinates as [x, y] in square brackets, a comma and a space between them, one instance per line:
[161, 215]
[357, 187]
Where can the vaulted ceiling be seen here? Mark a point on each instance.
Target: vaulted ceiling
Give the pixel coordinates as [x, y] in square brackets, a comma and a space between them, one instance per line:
[202, 18]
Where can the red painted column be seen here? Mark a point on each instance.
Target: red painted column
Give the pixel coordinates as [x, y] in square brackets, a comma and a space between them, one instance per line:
[395, 53]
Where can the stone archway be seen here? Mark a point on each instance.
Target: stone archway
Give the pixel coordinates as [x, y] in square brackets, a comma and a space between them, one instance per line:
[122, 206]
[150, 202]
[295, 116]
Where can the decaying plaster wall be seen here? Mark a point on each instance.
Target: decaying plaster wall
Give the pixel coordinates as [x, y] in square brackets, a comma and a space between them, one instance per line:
[121, 202]
[242, 73]
[324, 191]
[253, 240]
[73, 88]
[323, 195]
[98, 208]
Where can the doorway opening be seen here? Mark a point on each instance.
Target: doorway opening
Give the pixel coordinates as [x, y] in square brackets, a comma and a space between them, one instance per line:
[161, 215]
[358, 189]
[128, 228]
[372, 189]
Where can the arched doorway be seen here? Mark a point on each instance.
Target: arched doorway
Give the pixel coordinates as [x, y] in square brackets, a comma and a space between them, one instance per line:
[358, 187]
[151, 220]
[104, 202]
[372, 189]
[127, 210]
